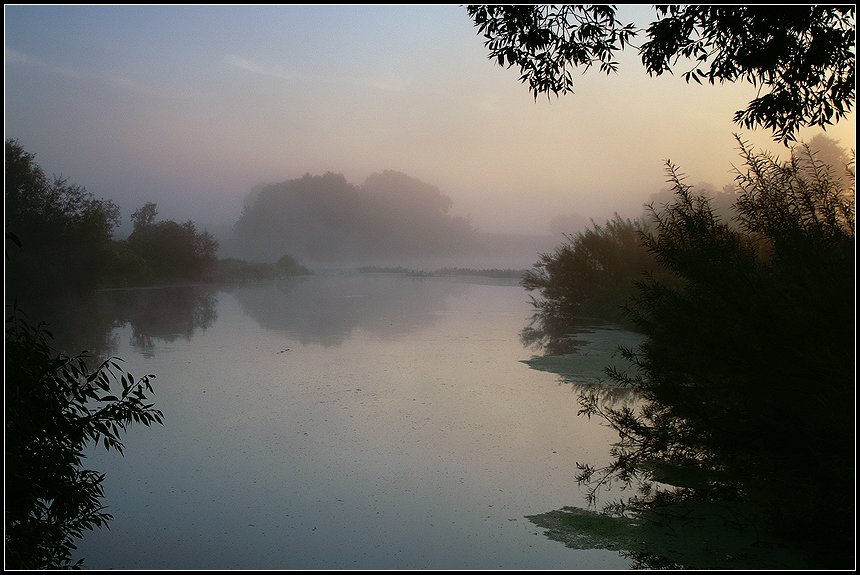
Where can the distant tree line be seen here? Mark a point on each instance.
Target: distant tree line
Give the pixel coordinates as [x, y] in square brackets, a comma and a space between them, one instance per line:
[59, 237]
[60, 240]
[325, 218]
[63, 237]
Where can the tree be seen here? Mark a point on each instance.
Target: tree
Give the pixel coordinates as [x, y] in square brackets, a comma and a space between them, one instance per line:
[55, 406]
[747, 372]
[800, 56]
[65, 234]
[145, 216]
[327, 218]
[169, 250]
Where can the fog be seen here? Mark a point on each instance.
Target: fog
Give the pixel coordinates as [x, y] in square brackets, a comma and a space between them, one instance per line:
[193, 108]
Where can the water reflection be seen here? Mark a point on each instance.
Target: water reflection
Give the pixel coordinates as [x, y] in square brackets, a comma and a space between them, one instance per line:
[407, 435]
[326, 310]
[165, 314]
[77, 322]
[323, 310]
[88, 322]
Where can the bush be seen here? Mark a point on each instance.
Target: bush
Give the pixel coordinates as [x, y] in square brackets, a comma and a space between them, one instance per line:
[747, 373]
[586, 280]
[55, 407]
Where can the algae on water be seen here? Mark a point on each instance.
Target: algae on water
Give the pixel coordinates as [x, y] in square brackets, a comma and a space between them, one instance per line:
[594, 350]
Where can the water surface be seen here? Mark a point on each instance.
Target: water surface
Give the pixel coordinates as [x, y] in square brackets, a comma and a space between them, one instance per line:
[342, 421]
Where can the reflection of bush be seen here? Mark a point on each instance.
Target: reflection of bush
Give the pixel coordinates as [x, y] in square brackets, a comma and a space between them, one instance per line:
[706, 534]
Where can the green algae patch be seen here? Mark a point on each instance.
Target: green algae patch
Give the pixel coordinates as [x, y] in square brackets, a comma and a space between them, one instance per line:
[582, 529]
[594, 350]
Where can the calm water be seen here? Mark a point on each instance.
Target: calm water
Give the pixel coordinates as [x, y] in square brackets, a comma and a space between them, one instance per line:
[338, 422]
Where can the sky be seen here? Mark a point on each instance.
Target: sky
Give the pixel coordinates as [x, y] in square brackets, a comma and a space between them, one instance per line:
[191, 107]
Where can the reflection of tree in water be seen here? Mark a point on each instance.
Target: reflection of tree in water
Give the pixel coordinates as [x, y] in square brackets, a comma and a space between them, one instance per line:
[79, 322]
[676, 528]
[87, 322]
[165, 313]
[327, 309]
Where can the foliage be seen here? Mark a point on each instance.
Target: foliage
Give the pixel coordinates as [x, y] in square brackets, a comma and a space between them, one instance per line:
[54, 408]
[60, 238]
[325, 218]
[169, 250]
[747, 373]
[145, 216]
[801, 57]
[53, 221]
[546, 41]
[721, 202]
[586, 280]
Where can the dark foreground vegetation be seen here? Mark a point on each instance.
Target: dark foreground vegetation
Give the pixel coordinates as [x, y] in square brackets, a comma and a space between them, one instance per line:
[741, 439]
[744, 434]
[55, 406]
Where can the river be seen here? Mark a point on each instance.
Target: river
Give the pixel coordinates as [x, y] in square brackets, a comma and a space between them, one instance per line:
[341, 421]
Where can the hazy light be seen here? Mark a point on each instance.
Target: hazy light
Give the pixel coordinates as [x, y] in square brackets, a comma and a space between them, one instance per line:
[190, 107]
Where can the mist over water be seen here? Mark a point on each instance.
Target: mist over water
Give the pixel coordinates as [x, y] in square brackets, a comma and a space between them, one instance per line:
[345, 421]
[312, 224]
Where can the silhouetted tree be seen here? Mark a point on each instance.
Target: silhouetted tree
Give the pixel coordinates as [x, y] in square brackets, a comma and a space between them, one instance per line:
[746, 376]
[54, 407]
[64, 233]
[800, 56]
[145, 216]
[171, 251]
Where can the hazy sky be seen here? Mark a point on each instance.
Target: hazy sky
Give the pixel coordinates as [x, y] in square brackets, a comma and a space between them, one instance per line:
[192, 106]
